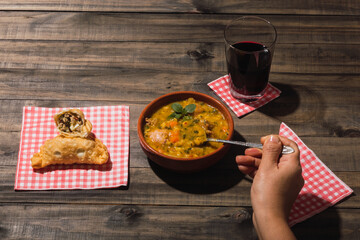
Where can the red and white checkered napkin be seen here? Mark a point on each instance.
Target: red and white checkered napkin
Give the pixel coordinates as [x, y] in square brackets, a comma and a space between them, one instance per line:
[221, 87]
[110, 125]
[322, 187]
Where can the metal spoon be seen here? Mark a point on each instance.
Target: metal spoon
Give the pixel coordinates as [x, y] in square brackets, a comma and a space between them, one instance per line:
[286, 149]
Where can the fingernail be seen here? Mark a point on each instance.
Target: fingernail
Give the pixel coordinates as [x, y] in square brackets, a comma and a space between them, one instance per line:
[274, 139]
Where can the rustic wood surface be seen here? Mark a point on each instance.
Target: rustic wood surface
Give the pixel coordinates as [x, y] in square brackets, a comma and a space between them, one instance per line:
[88, 53]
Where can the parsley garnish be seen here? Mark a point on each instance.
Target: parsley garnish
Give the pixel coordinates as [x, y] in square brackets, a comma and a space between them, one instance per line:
[180, 112]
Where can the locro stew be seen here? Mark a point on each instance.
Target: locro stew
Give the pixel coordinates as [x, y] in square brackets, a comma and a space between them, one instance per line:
[180, 129]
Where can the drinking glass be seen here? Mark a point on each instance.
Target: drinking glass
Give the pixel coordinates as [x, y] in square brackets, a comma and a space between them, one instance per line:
[249, 48]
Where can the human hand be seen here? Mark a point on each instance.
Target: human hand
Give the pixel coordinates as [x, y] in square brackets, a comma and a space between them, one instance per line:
[277, 178]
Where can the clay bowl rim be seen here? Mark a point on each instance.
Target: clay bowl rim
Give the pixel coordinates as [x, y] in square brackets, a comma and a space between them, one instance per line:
[209, 100]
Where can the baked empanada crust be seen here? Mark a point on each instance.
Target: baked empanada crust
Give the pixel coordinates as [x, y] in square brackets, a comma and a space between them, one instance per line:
[70, 150]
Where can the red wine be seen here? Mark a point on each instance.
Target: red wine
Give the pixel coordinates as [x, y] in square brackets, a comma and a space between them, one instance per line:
[249, 67]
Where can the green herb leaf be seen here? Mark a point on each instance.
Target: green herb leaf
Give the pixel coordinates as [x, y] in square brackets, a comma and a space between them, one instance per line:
[171, 116]
[178, 115]
[190, 108]
[175, 115]
[179, 111]
[177, 107]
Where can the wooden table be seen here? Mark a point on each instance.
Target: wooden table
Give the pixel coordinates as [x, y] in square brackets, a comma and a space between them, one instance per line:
[89, 53]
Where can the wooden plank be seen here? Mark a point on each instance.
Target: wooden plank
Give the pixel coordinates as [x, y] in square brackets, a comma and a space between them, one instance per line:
[79, 26]
[146, 186]
[222, 183]
[322, 132]
[334, 223]
[126, 84]
[331, 7]
[101, 85]
[321, 120]
[184, 57]
[322, 105]
[324, 129]
[339, 154]
[37, 221]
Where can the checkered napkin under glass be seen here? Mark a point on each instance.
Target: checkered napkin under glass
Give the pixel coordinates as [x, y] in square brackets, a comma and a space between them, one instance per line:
[110, 125]
[322, 188]
[221, 87]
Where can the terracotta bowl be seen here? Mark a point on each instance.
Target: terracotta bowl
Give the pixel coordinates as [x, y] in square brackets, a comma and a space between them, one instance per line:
[183, 164]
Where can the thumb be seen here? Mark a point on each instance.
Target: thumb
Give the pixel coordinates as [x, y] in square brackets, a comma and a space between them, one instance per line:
[272, 147]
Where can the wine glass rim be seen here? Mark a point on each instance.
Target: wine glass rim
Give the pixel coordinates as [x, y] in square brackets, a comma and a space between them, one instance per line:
[251, 17]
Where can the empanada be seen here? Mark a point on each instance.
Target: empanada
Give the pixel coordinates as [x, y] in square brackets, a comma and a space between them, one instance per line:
[65, 150]
[72, 123]
[74, 144]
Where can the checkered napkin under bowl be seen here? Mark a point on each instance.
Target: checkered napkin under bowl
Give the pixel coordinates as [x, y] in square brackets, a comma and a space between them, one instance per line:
[110, 125]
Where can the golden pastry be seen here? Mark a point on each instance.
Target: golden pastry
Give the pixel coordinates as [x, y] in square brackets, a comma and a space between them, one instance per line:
[74, 144]
[72, 123]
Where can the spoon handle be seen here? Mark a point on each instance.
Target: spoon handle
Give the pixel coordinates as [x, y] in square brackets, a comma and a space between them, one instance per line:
[286, 149]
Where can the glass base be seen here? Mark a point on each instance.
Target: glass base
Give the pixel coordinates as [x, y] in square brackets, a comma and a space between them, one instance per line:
[247, 98]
